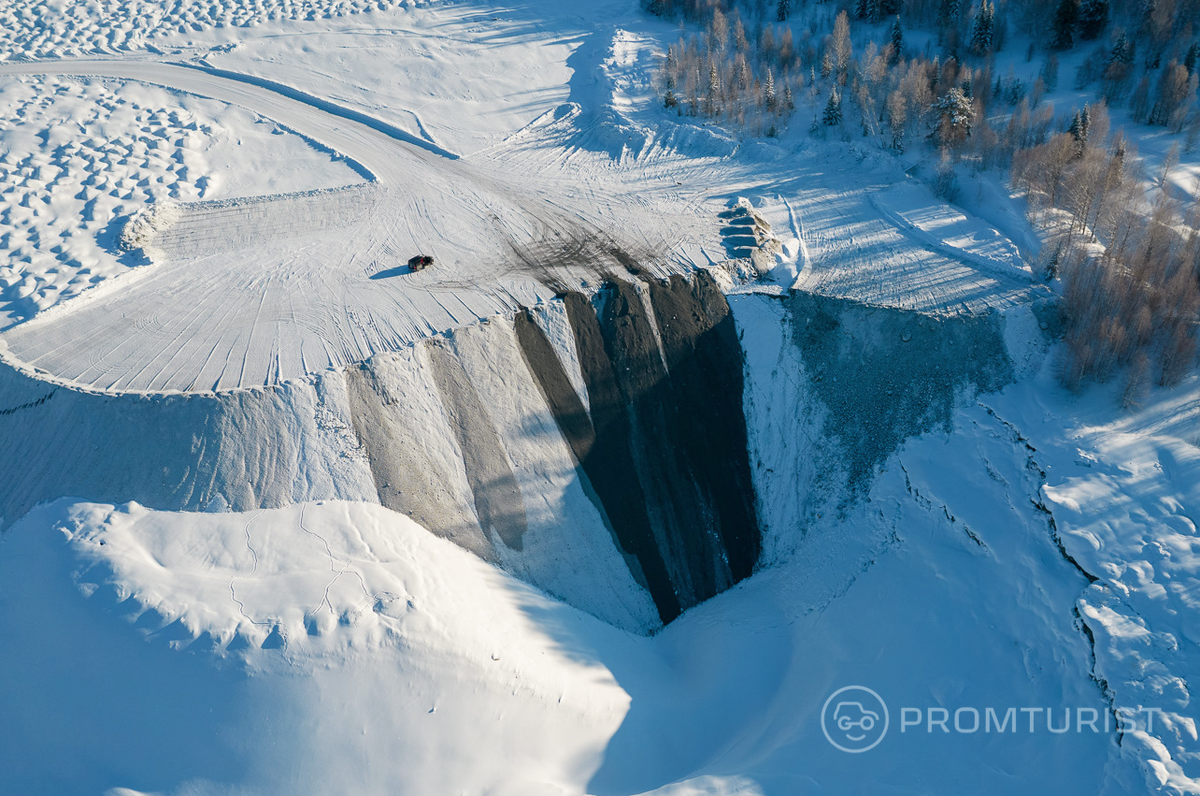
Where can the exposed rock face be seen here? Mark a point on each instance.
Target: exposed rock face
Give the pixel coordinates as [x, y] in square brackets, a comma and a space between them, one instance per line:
[629, 422]
[887, 374]
[664, 443]
[633, 452]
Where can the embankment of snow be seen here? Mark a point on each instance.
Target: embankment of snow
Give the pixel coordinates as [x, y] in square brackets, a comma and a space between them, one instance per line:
[321, 648]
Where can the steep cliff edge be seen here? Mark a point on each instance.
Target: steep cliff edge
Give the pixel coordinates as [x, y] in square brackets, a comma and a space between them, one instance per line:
[633, 452]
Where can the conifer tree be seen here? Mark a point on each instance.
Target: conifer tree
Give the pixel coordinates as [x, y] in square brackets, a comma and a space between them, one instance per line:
[1093, 16]
[1189, 60]
[1121, 53]
[1076, 129]
[948, 11]
[1066, 15]
[783, 10]
[955, 117]
[833, 109]
[713, 98]
[983, 29]
[898, 41]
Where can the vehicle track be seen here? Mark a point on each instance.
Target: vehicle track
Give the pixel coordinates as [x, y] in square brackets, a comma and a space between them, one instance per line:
[239, 288]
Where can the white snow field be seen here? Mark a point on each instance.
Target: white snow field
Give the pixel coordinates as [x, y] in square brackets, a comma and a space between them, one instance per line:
[58, 28]
[205, 317]
[80, 155]
[245, 293]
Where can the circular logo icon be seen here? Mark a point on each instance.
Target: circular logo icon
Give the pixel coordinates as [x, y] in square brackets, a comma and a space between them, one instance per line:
[854, 719]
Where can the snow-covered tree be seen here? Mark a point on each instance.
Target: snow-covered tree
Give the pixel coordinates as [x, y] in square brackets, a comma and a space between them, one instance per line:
[1078, 128]
[983, 30]
[833, 109]
[783, 10]
[769, 98]
[955, 115]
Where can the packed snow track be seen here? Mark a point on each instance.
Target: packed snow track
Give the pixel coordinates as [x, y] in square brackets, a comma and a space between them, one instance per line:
[242, 293]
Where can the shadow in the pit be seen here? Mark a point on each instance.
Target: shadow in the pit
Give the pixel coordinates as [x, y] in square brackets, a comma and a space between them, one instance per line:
[696, 689]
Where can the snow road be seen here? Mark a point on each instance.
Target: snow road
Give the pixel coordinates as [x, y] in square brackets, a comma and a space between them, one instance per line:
[249, 292]
[253, 292]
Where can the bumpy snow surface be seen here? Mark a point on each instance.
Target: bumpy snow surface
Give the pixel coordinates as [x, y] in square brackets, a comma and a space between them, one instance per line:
[281, 516]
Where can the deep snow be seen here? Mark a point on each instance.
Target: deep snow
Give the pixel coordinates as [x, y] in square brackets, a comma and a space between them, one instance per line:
[268, 628]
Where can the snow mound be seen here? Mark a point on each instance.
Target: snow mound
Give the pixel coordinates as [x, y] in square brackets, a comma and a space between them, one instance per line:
[142, 228]
[329, 648]
[323, 577]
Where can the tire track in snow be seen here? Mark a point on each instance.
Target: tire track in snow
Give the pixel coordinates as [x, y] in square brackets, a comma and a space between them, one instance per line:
[473, 224]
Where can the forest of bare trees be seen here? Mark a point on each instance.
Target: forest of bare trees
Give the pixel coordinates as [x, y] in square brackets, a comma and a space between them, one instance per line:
[1128, 258]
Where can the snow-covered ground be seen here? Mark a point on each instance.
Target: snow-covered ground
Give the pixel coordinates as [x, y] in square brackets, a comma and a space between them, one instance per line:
[518, 182]
[1123, 488]
[1029, 550]
[337, 645]
[82, 155]
[62, 28]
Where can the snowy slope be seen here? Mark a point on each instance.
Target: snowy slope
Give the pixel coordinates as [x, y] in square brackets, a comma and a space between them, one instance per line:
[390, 659]
[79, 157]
[339, 643]
[1123, 489]
[200, 593]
